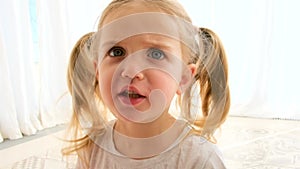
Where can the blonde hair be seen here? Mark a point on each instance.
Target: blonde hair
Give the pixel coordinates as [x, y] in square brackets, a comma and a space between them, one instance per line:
[171, 7]
[210, 61]
[78, 139]
[212, 76]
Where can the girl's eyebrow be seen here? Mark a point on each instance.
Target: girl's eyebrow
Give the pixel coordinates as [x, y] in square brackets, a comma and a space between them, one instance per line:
[160, 44]
[155, 43]
[110, 43]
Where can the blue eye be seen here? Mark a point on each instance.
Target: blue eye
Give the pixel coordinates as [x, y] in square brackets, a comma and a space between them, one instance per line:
[116, 51]
[156, 53]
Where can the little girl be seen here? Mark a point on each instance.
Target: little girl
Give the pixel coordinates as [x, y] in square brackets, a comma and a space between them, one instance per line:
[124, 78]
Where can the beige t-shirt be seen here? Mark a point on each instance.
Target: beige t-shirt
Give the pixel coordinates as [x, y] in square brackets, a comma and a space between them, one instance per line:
[191, 152]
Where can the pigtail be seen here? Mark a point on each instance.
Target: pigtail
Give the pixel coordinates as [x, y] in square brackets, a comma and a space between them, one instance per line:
[212, 77]
[79, 77]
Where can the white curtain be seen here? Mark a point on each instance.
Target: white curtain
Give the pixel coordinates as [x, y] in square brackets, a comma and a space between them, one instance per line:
[261, 41]
[260, 37]
[53, 52]
[19, 98]
[33, 76]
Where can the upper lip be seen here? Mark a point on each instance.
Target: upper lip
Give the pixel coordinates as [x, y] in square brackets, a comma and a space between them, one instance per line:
[131, 90]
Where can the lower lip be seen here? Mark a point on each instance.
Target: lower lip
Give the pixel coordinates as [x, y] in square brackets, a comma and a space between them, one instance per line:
[131, 101]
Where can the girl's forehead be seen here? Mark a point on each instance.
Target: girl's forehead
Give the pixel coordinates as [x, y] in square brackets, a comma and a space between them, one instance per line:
[134, 19]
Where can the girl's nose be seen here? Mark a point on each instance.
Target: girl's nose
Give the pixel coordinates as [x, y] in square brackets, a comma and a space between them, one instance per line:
[133, 66]
[132, 75]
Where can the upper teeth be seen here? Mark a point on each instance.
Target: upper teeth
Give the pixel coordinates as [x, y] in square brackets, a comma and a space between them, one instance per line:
[130, 92]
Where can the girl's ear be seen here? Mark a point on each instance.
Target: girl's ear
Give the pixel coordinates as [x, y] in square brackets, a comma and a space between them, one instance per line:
[192, 67]
[186, 78]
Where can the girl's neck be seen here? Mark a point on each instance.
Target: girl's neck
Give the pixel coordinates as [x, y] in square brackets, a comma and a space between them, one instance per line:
[145, 130]
[141, 141]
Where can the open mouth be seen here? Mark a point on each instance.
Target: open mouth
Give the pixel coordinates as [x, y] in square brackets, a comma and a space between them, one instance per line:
[131, 94]
[131, 97]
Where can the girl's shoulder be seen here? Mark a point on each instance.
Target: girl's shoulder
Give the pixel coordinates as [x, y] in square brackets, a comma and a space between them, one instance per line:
[198, 151]
[197, 142]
